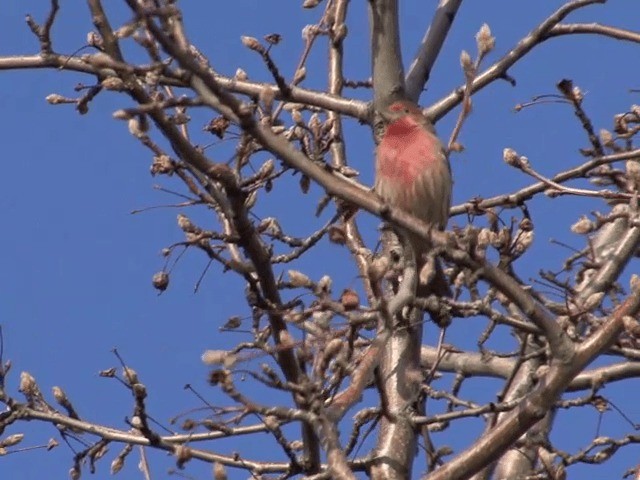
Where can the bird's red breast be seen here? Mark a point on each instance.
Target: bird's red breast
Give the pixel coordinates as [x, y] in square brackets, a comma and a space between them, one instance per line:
[412, 170]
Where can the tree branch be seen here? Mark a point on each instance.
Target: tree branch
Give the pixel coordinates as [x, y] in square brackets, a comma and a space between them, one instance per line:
[430, 46]
[499, 69]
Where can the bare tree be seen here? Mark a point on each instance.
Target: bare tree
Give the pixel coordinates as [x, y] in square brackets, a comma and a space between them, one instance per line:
[329, 343]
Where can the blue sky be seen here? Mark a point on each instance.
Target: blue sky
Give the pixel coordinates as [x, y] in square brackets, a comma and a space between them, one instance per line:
[77, 265]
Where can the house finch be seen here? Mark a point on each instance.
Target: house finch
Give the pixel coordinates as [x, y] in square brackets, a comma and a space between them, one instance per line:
[413, 173]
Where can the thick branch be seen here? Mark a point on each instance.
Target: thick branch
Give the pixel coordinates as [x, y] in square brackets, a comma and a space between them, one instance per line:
[429, 49]
[386, 57]
[535, 406]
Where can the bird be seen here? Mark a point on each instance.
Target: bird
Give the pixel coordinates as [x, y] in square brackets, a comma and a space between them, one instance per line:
[412, 173]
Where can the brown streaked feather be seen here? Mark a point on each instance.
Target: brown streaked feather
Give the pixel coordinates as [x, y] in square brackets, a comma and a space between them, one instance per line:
[413, 173]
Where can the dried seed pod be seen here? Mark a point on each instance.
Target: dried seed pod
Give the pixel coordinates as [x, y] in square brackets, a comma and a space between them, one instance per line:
[218, 126]
[273, 38]
[232, 323]
[160, 281]
[349, 299]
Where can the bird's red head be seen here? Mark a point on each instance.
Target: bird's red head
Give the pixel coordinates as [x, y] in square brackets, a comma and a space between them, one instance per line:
[400, 109]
